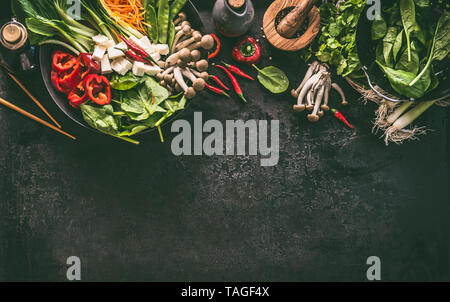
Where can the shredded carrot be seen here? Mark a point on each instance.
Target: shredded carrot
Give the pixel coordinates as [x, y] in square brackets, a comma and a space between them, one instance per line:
[128, 12]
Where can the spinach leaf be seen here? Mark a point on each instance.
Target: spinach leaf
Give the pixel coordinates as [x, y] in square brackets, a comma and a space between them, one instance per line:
[379, 28]
[397, 45]
[408, 15]
[100, 118]
[440, 46]
[388, 45]
[412, 65]
[126, 82]
[400, 79]
[273, 78]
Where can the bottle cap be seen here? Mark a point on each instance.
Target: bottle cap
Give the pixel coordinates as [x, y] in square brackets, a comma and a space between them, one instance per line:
[12, 33]
[236, 4]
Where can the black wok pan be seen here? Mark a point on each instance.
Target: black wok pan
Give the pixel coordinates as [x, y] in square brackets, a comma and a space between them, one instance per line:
[60, 99]
[366, 49]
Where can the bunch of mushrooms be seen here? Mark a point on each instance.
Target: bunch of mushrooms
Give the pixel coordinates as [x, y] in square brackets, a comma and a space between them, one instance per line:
[313, 92]
[185, 61]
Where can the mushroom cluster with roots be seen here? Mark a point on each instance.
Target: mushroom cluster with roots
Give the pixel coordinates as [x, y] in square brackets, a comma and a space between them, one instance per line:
[313, 92]
[185, 70]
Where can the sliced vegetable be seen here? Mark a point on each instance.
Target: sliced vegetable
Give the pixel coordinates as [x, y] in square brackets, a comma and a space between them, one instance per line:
[63, 61]
[98, 89]
[78, 95]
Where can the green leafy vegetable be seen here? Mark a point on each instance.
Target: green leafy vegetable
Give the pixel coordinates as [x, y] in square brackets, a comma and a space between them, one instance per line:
[379, 28]
[273, 78]
[126, 82]
[408, 15]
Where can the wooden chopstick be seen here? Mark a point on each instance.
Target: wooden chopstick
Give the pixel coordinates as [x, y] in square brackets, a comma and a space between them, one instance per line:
[34, 99]
[33, 117]
[11, 74]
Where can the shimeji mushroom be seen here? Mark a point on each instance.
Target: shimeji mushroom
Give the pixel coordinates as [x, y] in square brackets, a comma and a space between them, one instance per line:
[185, 31]
[341, 92]
[196, 37]
[299, 107]
[189, 92]
[181, 17]
[207, 43]
[202, 65]
[314, 116]
[325, 106]
[308, 75]
[196, 55]
[197, 83]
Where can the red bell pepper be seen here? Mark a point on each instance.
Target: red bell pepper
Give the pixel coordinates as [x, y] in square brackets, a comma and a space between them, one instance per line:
[70, 79]
[55, 77]
[98, 89]
[63, 61]
[78, 95]
[247, 51]
[88, 65]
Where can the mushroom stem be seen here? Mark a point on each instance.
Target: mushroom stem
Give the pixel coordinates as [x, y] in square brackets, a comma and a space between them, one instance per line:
[168, 71]
[308, 75]
[306, 88]
[196, 37]
[181, 17]
[314, 117]
[324, 106]
[185, 31]
[179, 78]
[341, 92]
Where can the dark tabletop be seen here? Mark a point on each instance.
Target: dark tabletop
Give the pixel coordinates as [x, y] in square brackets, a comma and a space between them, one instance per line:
[140, 213]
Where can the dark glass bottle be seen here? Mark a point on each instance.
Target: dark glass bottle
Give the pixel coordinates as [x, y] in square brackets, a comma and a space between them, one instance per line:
[17, 51]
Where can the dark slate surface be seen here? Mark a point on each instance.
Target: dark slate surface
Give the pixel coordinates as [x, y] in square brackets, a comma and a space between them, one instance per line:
[140, 213]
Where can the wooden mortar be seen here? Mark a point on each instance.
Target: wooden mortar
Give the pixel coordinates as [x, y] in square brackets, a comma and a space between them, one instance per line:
[294, 44]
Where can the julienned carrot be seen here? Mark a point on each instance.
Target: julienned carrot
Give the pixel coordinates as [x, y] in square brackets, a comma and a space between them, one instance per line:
[130, 12]
[239, 72]
[235, 83]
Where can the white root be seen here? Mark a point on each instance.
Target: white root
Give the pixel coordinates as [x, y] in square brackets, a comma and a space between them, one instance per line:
[341, 92]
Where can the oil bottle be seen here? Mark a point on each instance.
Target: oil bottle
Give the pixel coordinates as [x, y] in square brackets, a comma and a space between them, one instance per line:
[16, 49]
[233, 18]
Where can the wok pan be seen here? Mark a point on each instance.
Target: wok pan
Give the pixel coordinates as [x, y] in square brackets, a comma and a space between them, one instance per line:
[366, 48]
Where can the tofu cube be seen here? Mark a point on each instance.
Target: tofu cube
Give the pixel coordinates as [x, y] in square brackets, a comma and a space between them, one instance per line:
[99, 52]
[156, 56]
[136, 41]
[127, 65]
[163, 49]
[122, 45]
[145, 42]
[116, 65]
[108, 44]
[152, 70]
[105, 65]
[114, 53]
[100, 39]
[139, 69]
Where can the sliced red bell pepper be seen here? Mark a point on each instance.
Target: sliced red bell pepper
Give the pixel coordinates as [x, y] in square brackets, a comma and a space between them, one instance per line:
[98, 89]
[88, 65]
[70, 79]
[63, 61]
[78, 95]
[55, 77]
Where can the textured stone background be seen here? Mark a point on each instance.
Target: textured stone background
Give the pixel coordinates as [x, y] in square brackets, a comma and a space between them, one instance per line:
[139, 213]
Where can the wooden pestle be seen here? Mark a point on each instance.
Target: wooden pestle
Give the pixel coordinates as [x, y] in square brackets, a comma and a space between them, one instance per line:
[295, 19]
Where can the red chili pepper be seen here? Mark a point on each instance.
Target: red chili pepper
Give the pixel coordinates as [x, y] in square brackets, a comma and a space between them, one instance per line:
[247, 51]
[217, 90]
[131, 55]
[235, 83]
[236, 70]
[78, 95]
[56, 82]
[63, 61]
[219, 82]
[219, 45]
[137, 50]
[98, 89]
[88, 65]
[341, 117]
[70, 79]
